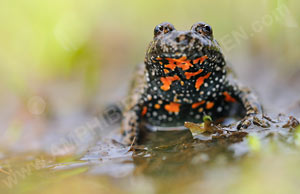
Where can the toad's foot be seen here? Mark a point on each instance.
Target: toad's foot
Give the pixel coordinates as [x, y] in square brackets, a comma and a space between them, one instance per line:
[257, 120]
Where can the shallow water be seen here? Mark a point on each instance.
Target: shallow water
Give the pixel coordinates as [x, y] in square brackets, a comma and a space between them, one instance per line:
[166, 162]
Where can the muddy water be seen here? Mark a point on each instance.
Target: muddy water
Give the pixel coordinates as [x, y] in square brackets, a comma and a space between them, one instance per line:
[167, 162]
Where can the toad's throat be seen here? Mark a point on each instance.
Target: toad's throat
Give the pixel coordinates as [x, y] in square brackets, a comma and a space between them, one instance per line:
[168, 80]
[185, 71]
[182, 62]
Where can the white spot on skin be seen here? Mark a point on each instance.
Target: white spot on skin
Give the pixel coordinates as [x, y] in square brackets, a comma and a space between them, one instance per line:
[186, 100]
[197, 116]
[219, 109]
[154, 113]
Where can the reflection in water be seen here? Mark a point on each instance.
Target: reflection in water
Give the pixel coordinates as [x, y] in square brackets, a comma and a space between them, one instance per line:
[173, 160]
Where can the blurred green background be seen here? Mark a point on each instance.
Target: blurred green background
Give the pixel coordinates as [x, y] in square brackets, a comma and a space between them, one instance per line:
[43, 41]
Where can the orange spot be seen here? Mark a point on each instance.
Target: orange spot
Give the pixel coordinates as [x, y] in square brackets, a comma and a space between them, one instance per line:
[160, 63]
[172, 107]
[200, 80]
[166, 71]
[228, 98]
[157, 106]
[188, 75]
[200, 109]
[182, 83]
[167, 81]
[182, 63]
[209, 105]
[171, 66]
[196, 104]
[158, 58]
[144, 111]
[201, 59]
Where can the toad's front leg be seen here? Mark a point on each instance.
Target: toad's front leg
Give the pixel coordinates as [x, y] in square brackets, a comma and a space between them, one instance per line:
[130, 124]
[254, 112]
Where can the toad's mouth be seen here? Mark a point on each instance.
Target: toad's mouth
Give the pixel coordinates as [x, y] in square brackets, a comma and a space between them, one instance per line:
[188, 53]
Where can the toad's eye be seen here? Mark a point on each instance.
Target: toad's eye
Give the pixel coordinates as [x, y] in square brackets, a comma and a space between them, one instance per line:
[163, 28]
[207, 29]
[203, 28]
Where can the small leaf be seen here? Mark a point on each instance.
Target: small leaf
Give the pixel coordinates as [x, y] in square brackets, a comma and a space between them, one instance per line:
[195, 128]
[207, 118]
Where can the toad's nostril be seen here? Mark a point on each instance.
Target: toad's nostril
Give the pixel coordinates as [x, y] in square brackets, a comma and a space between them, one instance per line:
[189, 34]
[180, 38]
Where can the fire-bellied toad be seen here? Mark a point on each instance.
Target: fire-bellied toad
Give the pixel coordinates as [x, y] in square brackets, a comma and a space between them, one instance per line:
[183, 78]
